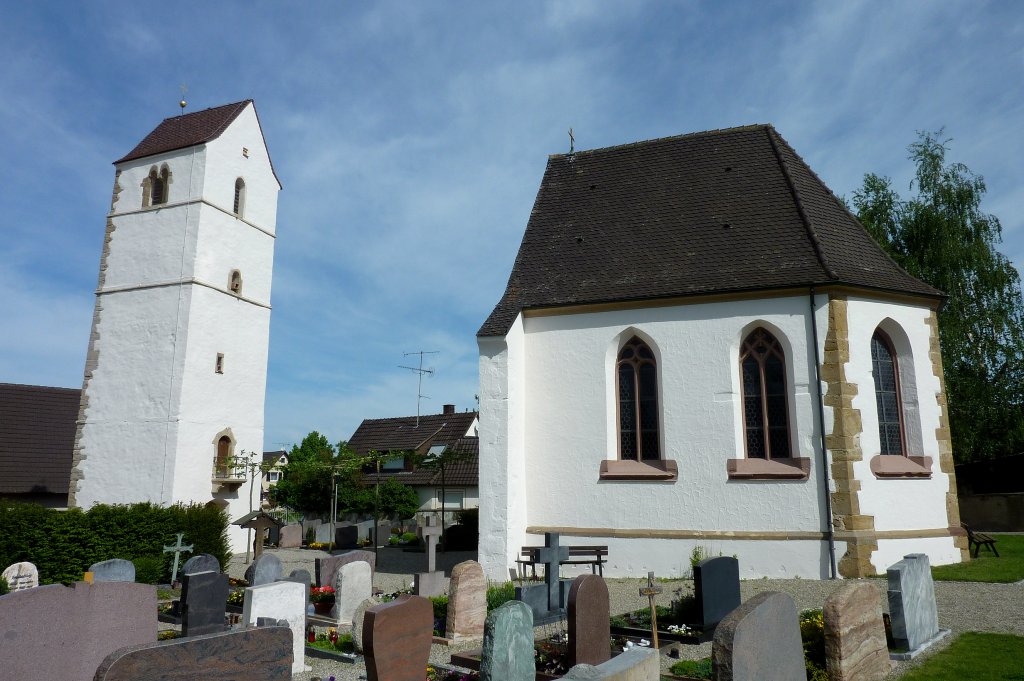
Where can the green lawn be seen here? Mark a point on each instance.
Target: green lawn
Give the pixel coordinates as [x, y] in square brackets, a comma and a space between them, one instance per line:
[1008, 567]
[974, 656]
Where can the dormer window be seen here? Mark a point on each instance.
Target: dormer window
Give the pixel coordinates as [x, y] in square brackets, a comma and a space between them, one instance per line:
[239, 197]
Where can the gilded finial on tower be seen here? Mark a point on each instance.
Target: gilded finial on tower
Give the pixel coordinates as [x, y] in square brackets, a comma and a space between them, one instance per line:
[183, 103]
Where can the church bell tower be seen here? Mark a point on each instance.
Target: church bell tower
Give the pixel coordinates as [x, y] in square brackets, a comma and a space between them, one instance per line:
[175, 375]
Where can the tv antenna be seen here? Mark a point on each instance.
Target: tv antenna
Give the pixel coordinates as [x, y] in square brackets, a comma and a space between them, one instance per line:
[420, 371]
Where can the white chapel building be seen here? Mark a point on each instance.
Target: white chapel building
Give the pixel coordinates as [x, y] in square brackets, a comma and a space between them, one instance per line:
[175, 373]
[699, 346]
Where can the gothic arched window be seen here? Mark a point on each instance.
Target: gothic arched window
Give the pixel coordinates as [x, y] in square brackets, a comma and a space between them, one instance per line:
[222, 467]
[637, 372]
[235, 282]
[156, 187]
[765, 416]
[885, 370]
[239, 196]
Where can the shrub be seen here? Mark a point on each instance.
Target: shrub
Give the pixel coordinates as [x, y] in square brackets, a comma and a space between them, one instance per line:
[409, 538]
[812, 632]
[310, 535]
[150, 570]
[500, 593]
[4, 588]
[698, 669]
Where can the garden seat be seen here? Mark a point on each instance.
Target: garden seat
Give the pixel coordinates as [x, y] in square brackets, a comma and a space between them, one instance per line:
[979, 539]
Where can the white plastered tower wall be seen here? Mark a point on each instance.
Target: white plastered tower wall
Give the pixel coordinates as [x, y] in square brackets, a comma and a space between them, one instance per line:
[153, 405]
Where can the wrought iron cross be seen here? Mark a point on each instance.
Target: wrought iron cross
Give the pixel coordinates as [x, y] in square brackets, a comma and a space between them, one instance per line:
[177, 550]
[651, 591]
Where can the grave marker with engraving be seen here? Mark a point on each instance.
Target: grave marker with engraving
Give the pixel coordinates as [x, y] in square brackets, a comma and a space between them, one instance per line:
[203, 595]
[21, 576]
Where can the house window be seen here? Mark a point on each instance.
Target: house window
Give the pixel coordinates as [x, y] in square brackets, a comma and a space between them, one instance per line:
[239, 196]
[765, 417]
[637, 371]
[885, 370]
[235, 282]
[273, 476]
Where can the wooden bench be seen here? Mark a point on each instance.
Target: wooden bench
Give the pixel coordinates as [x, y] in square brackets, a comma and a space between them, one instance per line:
[979, 539]
[594, 556]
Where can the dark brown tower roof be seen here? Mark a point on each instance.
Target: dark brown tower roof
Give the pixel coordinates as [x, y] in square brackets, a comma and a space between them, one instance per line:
[724, 211]
[187, 130]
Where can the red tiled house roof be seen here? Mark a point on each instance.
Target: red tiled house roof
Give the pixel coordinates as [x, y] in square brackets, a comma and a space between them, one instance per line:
[37, 436]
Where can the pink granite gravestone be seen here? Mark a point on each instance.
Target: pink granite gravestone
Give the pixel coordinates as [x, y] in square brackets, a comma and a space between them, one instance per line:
[589, 627]
[290, 537]
[397, 638]
[855, 648]
[467, 601]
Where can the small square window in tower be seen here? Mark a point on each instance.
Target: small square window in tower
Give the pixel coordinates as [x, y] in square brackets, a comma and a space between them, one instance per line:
[219, 365]
[239, 197]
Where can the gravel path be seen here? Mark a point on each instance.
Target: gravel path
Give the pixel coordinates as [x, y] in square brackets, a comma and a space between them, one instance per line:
[963, 606]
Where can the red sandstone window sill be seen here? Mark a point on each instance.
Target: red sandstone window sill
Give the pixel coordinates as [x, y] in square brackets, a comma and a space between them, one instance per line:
[795, 468]
[625, 469]
[896, 466]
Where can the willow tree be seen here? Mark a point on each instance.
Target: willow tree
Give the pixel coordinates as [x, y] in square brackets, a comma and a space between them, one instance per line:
[942, 236]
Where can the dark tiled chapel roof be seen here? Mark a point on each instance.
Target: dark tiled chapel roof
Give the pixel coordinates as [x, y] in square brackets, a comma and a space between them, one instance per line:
[37, 436]
[725, 211]
[186, 130]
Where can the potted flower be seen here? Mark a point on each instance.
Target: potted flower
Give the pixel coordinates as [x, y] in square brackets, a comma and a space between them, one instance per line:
[322, 598]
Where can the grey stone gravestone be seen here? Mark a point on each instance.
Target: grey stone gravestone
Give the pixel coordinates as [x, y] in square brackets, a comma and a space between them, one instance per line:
[912, 610]
[353, 584]
[508, 653]
[636, 664]
[201, 562]
[357, 622]
[257, 654]
[283, 601]
[264, 570]
[467, 601]
[326, 567]
[20, 576]
[589, 627]
[716, 585]
[431, 582]
[760, 640]
[290, 537]
[113, 570]
[855, 648]
[324, 534]
[203, 596]
[59, 632]
[548, 602]
[300, 577]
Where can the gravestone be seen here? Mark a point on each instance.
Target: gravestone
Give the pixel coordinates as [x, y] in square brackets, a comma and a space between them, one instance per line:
[589, 627]
[508, 652]
[290, 537]
[283, 601]
[59, 632]
[257, 654]
[760, 640]
[203, 595]
[113, 570]
[201, 562]
[346, 537]
[467, 601]
[716, 585]
[326, 567]
[855, 648]
[300, 577]
[324, 534]
[636, 664]
[431, 582]
[397, 638]
[20, 576]
[912, 610]
[177, 548]
[353, 584]
[548, 602]
[357, 622]
[264, 570]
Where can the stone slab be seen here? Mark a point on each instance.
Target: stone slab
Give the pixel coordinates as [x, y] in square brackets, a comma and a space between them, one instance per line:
[203, 596]
[283, 601]
[353, 584]
[290, 537]
[855, 648]
[300, 577]
[716, 586]
[201, 562]
[59, 632]
[636, 664]
[467, 602]
[23, 575]
[113, 570]
[536, 597]
[397, 638]
[589, 628]
[266, 569]
[912, 609]
[325, 568]
[259, 654]
[760, 640]
[911, 654]
[507, 653]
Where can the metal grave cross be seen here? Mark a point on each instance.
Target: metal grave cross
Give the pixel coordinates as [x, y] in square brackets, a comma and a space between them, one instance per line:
[429, 534]
[550, 556]
[177, 550]
[651, 591]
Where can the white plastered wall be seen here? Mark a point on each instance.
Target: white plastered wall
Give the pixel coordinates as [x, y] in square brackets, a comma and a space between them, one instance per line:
[911, 503]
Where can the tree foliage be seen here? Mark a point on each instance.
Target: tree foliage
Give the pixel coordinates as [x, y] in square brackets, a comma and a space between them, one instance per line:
[306, 484]
[942, 236]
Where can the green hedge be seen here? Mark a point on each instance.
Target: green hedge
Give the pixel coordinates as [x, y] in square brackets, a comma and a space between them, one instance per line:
[63, 544]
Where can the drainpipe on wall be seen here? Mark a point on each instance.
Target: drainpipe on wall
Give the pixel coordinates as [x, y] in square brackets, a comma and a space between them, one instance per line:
[830, 529]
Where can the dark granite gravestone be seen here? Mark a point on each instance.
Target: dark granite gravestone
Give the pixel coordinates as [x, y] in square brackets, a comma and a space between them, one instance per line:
[589, 627]
[548, 602]
[274, 535]
[326, 568]
[59, 632]
[203, 595]
[508, 653]
[302, 577]
[397, 638]
[201, 562]
[760, 640]
[256, 654]
[113, 570]
[264, 570]
[346, 537]
[716, 585]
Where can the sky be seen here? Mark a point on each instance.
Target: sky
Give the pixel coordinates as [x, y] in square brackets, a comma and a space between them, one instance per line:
[410, 139]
